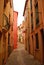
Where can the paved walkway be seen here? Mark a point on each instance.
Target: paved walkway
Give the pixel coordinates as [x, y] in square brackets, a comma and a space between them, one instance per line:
[21, 57]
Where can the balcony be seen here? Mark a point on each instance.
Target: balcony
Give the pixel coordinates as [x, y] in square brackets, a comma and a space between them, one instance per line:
[5, 24]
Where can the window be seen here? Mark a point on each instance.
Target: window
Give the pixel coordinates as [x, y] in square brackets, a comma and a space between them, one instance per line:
[12, 28]
[37, 14]
[42, 34]
[32, 39]
[36, 1]
[5, 2]
[32, 21]
[8, 38]
[37, 41]
[31, 4]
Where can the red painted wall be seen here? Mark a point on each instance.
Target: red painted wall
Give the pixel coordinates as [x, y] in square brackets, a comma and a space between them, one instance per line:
[15, 14]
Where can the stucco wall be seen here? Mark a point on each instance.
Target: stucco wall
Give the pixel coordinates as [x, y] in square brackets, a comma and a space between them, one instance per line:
[1, 20]
[15, 29]
[7, 9]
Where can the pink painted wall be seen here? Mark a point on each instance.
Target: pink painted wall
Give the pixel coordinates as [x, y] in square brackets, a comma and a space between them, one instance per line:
[15, 14]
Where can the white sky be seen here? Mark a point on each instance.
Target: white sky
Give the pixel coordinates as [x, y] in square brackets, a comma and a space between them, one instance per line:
[18, 5]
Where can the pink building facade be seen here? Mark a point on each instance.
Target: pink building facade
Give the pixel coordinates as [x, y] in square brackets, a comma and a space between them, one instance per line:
[15, 14]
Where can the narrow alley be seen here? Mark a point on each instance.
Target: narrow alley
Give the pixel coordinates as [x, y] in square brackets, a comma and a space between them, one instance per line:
[21, 32]
[21, 57]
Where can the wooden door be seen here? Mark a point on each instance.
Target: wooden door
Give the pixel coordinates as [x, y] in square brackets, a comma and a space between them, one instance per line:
[42, 34]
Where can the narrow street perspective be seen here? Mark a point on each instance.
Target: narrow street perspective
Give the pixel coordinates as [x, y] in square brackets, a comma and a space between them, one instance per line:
[21, 32]
[21, 57]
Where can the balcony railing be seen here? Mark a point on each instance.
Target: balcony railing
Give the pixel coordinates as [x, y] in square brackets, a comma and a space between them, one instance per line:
[5, 24]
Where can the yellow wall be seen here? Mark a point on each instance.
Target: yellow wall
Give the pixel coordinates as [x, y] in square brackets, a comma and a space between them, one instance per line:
[37, 53]
[7, 9]
[4, 44]
[1, 20]
[1, 11]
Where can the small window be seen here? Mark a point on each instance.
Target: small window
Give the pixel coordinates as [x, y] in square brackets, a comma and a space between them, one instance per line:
[12, 28]
[37, 14]
[5, 2]
[8, 38]
[36, 1]
[32, 21]
[31, 4]
[42, 34]
[32, 38]
[37, 41]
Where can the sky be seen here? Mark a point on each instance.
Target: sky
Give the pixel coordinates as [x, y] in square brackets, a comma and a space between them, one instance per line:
[18, 6]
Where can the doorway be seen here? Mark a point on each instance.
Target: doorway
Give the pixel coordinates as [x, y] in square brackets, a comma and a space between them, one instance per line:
[4, 48]
[42, 34]
[33, 44]
[9, 47]
[8, 38]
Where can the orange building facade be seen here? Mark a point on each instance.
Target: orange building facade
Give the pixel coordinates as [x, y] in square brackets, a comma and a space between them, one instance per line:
[6, 30]
[34, 22]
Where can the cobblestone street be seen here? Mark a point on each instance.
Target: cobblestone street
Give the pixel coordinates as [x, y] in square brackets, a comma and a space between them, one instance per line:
[20, 57]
